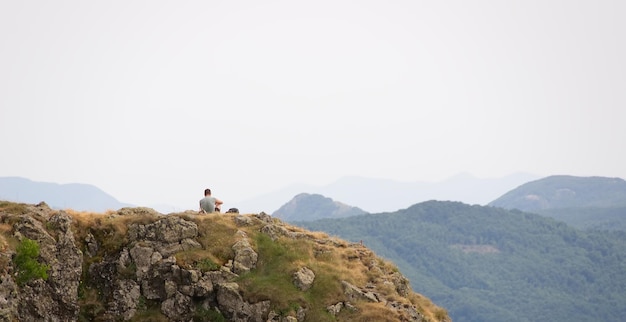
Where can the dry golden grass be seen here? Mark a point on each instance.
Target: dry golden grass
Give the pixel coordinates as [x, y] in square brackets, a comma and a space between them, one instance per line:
[216, 235]
[110, 228]
[7, 241]
[427, 307]
[309, 234]
[370, 312]
[198, 259]
[5, 228]
[83, 221]
[87, 217]
[15, 208]
[5, 245]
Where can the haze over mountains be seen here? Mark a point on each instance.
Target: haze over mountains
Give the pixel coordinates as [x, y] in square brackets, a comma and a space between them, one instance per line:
[368, 194]
[583, 202]
[380, 195]
[77, 196]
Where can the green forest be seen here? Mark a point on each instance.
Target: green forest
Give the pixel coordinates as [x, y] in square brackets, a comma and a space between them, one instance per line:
[589, 217]
[491, 264]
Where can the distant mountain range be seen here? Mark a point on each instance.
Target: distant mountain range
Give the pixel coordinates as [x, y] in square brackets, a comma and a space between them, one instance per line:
[380, 195]
[77, 196]
[367, 194]
[583, 202]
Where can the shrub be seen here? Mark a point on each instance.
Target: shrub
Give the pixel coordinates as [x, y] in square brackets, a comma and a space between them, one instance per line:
[206, 264]
[26, 264]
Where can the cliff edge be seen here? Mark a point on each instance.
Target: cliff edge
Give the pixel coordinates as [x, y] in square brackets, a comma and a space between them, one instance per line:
[136, 264]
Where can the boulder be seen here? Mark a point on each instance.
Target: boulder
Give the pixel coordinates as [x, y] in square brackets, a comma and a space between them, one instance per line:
[178, 308]
[234, 308]
[303, 278]
[245, 257]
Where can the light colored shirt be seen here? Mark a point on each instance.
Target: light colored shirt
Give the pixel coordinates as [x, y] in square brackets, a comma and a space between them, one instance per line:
[208, 204]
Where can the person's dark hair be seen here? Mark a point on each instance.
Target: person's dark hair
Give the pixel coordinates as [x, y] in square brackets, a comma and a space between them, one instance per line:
[207, 192]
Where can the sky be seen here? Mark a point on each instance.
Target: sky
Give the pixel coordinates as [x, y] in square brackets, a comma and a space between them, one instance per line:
[153, 101]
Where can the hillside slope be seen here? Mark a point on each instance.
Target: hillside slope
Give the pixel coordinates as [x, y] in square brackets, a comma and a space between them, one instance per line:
[491, 264]
[583, 202]
[307, 207]
[565, 192]
[135, 264]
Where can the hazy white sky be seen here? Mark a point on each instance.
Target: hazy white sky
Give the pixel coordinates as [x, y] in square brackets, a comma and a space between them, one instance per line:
[152, 101]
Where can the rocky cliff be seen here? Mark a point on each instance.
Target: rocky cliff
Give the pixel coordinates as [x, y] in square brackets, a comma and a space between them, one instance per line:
[135, 264]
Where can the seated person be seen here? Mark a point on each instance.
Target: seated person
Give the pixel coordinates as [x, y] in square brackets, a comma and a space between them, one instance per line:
[209, 204]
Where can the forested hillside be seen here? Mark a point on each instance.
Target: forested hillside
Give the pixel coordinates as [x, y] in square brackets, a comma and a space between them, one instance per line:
[491, 264]
[565, 192]
[582, 202]
[594, 218]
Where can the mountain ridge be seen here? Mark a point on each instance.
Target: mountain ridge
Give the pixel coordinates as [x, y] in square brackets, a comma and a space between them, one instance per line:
[583, 202]
[368, 194]
[307, 206]
[380, 195]
[565, 191]
[78, 196]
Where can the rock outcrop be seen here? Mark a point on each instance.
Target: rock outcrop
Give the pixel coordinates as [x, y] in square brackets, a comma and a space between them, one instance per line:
[137, 263]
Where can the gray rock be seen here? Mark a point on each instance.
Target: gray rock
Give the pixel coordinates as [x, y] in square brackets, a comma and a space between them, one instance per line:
[9, 298]
[354, 293]
[91, 245]
[229, 300]
[56, 298]
[178, 308]
[203, 287]
[234, 308]
[125, 299]
[335, 308]
[274, 231]
[168, 230]
[245, 257]
[401, 283]
[303, 278]
[264, 217]
[241, 220]
[142, 257]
